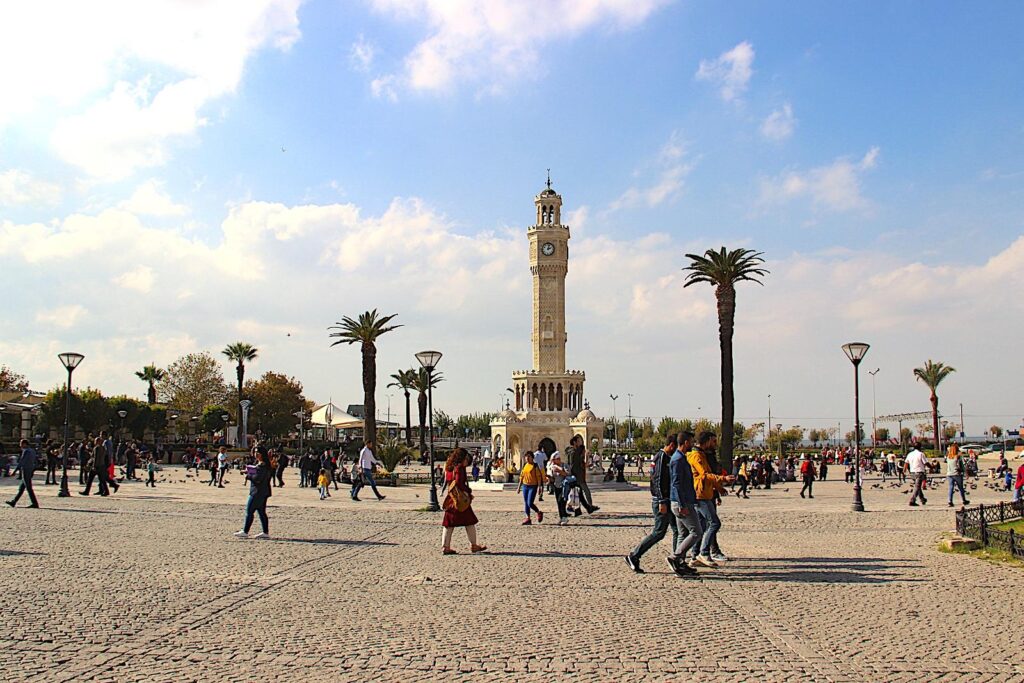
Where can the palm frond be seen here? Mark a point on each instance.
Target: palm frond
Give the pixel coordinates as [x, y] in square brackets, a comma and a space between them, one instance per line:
[364, 330]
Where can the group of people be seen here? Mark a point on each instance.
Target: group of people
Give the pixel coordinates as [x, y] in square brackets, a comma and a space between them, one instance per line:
[567, 482]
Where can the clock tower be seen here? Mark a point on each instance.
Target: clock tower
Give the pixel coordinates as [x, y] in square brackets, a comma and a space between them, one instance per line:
[549, 263]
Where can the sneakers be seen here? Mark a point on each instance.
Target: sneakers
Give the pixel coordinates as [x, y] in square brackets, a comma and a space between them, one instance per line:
[563, 521]
[262, 536]
[381, 497]
[241, 534]
[540, 517]
[680, 569]
[634, 564]
[719, 557]
[593, 509]
[912, 503]
[705, 561]
[527, 522]
[10, 502]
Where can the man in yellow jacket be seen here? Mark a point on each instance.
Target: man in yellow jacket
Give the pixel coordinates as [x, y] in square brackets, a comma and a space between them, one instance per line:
[705, 483]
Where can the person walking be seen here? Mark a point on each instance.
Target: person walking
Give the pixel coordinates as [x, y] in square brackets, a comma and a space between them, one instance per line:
[807, 473]
[918, 467]
[540, 459]
[660, 499]
[100, 467]
[357, 482]
[51, 463]
[458, 505]
[742, 477]
[222, 465]
[531, 478]
[683, 503]
[706, 484]
[259, 494]
[955, 473]
[367, 461]
[322, 482]
[151, 472]
[556, 477]
[1018, 484]
[576, 452]
[282, 464]
[27, 463]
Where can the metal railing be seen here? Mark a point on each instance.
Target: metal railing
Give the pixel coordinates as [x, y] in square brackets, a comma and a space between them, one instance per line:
[976, 523]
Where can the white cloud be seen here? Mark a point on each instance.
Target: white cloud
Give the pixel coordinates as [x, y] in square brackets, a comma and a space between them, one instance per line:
[835, 187]
[126, 79]
[385, 87]
[669, 174]
[140, 279]
[489, 43]
[780, 124]
[361, 54]
[150, 199]
[731, 71]
[62, 316]
[20, 187]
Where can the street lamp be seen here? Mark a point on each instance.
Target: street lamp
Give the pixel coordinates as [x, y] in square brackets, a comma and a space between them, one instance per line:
[856, 351]
[70, 361]
[301, 414]
[874, 418]
[225, 417]
[121, 414]
[629, 421]
[615, 426]
[429, 361]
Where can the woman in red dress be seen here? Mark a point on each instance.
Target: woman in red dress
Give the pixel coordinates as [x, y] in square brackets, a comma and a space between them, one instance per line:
[459, 489]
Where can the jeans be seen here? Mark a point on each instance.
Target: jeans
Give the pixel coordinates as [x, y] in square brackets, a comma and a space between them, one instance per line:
[711, 523]
[530, 495]
[808, 484]
[560, 501]
[956, 481]
[256, 506]
[368, 477]
[662, 522]
[919, 480]
[691, 523]
[26, 485]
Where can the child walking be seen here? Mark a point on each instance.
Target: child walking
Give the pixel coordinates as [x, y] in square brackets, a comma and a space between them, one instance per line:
[323, 482]
[530, 480]
[151, 471]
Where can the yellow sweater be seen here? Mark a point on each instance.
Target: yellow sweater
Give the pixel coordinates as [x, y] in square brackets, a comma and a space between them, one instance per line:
[531, 475]
[323, 480]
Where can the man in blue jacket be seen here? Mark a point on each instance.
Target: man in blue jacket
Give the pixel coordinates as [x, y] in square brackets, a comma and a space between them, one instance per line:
[27, 466]
[663, 518]
[684, 506]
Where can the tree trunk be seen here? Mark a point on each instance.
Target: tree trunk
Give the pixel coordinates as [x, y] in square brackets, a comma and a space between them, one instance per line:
[152, 393]
[726, 295]
[369, 393]
[240, 372]
[421, 402]
[408, 421]
[935, 418]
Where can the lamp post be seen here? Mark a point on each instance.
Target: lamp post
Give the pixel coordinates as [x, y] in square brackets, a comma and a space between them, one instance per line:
[856, 351]
[769, 420]
[301, 414]
[874, 419]
[70, 361]
[778, 428]
[121, 414]
[615, 427]
[629, 421]
[429, 361]
[225, 417]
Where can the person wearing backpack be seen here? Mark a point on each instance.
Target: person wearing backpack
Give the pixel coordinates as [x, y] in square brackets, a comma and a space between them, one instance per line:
[955, 473]
[807, 473]
[664, 520]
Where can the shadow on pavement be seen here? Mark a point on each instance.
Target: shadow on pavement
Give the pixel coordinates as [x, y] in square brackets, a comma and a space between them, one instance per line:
[509, 553]
[96, 512]
[816, 570]
[14, 553]
[329, 541]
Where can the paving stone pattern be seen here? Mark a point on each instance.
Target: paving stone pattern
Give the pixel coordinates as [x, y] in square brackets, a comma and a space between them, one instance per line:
[149, 585]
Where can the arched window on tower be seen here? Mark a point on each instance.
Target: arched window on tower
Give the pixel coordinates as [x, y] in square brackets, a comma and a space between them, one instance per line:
[551, 397]
[519, 397]
[543, 398]
[559, 397]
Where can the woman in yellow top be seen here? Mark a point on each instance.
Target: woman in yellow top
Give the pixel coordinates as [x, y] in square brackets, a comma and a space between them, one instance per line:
[530, 481]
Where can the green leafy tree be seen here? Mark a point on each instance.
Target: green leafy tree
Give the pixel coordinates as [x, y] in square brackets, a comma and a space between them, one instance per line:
[814, 436]
[906, 434]
[191, 383]
[443, 423]
[932, 375]
[881, 434]
[96, 415]
[150, 374]
[949, 432]
[996, 431]
[11, 380]
[421, 384]
[391, 452]
[723, 270]
[157, 420]
[136, 418]
[366, 331]
[404, 380]
[240, 353]
[53, 409]
[478, 424]
[275, 400]
[212, 419]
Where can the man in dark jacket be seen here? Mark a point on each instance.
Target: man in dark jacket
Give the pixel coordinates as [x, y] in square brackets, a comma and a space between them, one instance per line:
[684, 506]
[27, 466]
[660, 498]
[100, 465]
[576, 453]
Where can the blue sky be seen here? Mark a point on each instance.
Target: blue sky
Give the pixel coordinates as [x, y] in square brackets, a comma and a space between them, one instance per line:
[315, 159]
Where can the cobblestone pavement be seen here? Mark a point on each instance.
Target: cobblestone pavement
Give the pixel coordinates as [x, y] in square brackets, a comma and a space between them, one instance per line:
[149, 585]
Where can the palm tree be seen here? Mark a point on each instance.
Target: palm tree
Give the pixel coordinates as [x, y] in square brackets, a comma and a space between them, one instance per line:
[240, 352]
[420, 384]
[723, 269]
[404, 380]
[932, 375]
[365, 331]
[151, 374]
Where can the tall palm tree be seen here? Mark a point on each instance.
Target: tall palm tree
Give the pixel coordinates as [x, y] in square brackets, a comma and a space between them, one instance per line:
[365, 332]
[723, 269]
[932, 375]
[404, 380]
[240, 352]
[421, 385]
[151, 374]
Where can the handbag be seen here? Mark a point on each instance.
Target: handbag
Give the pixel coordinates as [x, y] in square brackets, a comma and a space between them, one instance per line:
[457, 500]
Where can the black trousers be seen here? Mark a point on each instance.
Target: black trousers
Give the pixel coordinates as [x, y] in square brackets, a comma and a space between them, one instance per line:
[51, 471]
[102, 485]
[26, 485]
[808, 482]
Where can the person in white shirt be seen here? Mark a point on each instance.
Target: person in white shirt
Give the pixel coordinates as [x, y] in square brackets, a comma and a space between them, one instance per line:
[366, 463]
[918, 467]
[540, 458]
[222, 465]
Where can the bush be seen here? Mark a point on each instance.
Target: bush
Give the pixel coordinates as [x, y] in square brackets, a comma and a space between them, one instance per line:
[392, 452]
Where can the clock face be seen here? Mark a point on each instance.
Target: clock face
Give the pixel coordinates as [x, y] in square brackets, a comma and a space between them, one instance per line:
[548, 249]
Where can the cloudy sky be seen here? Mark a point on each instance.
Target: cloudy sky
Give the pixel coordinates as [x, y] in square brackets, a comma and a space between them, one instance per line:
[175, 176]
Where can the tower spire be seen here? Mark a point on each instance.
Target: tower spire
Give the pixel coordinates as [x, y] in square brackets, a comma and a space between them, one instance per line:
[549, 178]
